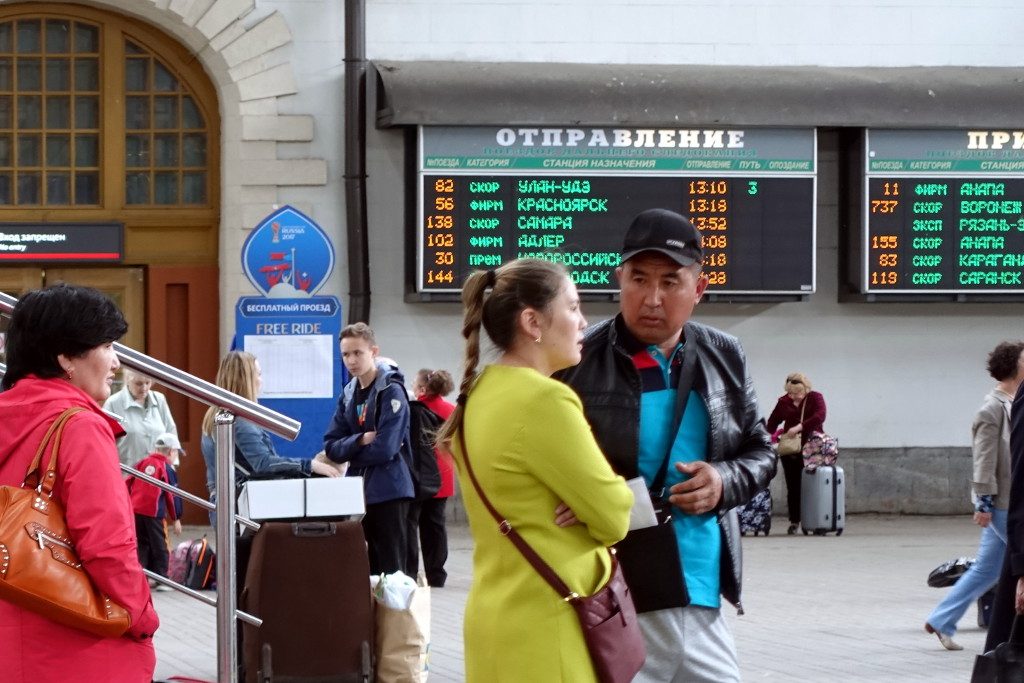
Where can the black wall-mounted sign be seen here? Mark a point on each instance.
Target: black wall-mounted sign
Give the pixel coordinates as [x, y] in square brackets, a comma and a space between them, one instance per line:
[490, 195]
[943, 213]
[64, 242]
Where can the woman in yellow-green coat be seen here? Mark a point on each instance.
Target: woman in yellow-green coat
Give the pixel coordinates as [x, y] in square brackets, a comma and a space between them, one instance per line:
[536, 460]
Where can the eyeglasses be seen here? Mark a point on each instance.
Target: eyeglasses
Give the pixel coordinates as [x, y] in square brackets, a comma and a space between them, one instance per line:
[794, 381]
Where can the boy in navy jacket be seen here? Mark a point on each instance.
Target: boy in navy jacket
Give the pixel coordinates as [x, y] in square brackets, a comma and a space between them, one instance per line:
[370, 431]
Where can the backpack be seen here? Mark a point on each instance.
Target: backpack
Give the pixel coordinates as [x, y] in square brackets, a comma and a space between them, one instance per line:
[200, 565]
[177, 562]
[423, 425]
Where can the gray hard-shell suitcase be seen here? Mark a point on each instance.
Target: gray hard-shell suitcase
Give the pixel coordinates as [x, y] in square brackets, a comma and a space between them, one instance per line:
[823, 500]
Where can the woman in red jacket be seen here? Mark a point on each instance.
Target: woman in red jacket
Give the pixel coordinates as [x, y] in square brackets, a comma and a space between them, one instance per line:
[800, 411]
[59, 355]
[430, 388]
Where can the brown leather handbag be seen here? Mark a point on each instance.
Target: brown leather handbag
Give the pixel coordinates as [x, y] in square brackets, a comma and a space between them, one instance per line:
[608, 618]
[39, 569]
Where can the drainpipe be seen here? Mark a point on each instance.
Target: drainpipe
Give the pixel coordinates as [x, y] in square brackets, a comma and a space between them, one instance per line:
[355, 162]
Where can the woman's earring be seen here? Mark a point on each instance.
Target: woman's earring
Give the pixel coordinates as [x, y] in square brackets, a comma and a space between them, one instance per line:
[537, 340]
[69, 370]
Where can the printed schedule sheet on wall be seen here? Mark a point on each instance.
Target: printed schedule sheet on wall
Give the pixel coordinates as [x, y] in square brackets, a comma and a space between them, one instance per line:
[943, 212]
[489, 195]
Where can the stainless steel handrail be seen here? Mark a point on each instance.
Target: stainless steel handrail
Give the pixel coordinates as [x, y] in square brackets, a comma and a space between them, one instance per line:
[195, 500]
[208, 393]
[229, 405]
[239, 614]
[193, 387]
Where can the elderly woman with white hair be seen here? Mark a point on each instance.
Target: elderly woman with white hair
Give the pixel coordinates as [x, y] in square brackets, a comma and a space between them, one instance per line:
[801, 412]
[144, 416]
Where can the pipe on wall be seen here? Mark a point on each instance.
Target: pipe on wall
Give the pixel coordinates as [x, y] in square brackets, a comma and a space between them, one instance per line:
[356, 227]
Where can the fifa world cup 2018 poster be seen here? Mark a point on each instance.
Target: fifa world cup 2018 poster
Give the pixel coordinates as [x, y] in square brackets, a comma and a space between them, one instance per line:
[287, 256]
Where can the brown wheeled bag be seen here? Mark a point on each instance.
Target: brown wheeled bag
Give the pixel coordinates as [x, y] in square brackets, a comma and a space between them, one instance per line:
[310, 583]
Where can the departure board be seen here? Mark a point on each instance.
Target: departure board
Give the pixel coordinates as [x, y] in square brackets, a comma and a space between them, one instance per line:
[944, 212]
[491, 195]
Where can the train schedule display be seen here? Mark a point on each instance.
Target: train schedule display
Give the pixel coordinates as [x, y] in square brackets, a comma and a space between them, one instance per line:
[490, 195]
[943, 212]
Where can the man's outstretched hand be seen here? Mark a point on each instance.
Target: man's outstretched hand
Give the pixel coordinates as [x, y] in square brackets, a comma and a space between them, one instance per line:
[701, 492]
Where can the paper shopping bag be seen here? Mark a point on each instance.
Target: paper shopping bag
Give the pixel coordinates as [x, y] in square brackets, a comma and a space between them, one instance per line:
[403, 638]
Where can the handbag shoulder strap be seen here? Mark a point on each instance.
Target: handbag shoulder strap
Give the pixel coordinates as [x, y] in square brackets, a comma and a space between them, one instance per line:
[687, 374]
[506, 529]
[43, 479]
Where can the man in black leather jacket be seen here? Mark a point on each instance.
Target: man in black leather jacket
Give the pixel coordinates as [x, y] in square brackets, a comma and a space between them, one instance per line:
[720, 453]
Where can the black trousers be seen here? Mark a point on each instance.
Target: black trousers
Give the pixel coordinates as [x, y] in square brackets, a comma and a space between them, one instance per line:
[434, 540]
[412, 539]
[384, 525]
[1003, 610]
[793, 467]
[426, 529]
[152, 543]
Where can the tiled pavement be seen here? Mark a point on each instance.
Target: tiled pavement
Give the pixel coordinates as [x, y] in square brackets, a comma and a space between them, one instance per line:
[847, 608]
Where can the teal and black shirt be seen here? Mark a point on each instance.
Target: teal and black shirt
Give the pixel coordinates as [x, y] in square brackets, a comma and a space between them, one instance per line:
[697, 536]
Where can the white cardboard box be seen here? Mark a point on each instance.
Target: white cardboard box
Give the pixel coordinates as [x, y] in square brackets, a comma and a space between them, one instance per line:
[335, 497]
[318, 497]
[272, 499]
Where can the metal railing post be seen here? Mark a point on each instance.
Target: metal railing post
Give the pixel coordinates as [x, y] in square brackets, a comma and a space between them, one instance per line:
[227, 595]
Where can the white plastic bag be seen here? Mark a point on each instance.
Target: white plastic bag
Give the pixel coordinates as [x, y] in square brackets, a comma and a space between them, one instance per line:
[394, 590]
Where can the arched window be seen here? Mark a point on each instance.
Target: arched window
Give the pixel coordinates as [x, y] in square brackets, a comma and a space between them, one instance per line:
[165, 135]
[105, 119]
[100, 111]
[49, 112]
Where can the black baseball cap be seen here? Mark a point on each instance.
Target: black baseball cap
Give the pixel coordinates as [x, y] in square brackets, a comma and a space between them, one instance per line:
[666, 232]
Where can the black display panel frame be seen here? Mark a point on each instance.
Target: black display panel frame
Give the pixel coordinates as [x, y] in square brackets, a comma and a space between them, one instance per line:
[940, 216]
[65, 242]
[573, 207]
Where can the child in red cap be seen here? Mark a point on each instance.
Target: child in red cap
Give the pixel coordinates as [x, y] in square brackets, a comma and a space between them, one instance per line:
[152, 504]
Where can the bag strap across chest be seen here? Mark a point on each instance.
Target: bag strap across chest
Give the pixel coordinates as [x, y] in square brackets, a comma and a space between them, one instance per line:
[506, 529]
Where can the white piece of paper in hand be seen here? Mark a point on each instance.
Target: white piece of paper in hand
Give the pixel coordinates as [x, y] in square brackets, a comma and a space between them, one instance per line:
[642, 514]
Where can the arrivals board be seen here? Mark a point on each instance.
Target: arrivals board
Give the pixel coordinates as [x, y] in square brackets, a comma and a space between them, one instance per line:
[943, 212]
[490, 195]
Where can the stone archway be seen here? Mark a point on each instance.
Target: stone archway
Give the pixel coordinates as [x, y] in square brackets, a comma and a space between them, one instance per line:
[236, 49]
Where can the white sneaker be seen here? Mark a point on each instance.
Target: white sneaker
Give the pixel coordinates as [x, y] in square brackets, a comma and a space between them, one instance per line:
[947, 641]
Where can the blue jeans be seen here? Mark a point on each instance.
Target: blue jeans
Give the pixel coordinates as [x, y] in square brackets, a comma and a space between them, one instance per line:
[982, 575]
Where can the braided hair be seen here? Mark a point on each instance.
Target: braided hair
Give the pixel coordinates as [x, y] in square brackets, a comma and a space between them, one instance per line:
[519, 284]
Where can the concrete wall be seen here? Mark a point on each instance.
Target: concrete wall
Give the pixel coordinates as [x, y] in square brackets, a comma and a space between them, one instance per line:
[908, 481]
[917, 481]
[902, 381]
[766, 32]
[893, 375]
